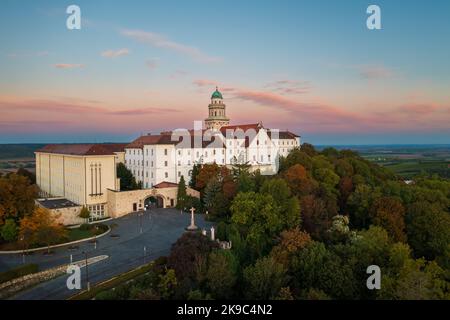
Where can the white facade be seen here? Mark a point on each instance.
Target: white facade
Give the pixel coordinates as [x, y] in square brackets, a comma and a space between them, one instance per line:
[156, 158]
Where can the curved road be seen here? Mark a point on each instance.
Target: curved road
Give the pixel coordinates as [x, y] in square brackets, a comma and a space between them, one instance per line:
[160, 229]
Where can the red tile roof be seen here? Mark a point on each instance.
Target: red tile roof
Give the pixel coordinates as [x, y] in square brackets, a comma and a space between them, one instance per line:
[151, 139]
[165, 184]
[83, 149]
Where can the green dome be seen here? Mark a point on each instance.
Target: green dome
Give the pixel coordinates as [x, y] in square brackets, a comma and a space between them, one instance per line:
[216, 95]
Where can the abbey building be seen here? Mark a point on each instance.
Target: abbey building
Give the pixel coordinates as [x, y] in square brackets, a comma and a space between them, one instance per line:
[74, 175]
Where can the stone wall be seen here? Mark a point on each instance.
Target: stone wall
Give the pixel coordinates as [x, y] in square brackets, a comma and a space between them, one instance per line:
[121, 203]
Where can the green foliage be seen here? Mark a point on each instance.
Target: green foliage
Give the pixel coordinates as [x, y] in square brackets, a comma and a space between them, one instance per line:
[194, 174]
[222, 273]
[127, 180]
[18, 272]
[316, 267]
[9, 230]
[167, 284]
[428, 228]
[181, 194]
[264, 279]
[85, 213]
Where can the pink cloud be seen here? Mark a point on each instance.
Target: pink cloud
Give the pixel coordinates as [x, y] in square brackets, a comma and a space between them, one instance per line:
[115, 53]
[418, 109]
[160, 41]
[68, 66]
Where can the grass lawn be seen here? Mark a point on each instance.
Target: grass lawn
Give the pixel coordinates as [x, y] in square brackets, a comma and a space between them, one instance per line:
[83, 232]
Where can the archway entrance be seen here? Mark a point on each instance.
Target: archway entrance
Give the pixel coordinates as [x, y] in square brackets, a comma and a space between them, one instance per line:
[154, 202]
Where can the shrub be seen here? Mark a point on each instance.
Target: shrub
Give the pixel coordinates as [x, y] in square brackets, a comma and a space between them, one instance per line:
[18, 272]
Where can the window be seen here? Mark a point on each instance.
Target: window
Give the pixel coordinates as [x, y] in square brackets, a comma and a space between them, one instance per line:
[268, 156]
[179, 174]
[165, 163]
[198, 155]
[179, 162]
[152, 163]
[152, 151]
[166, 174]
[179, 152]
[146, 152]
[214, 152]
[146, 163]
[165, 152]
[146, 174]
[206, 153]
[152, 175]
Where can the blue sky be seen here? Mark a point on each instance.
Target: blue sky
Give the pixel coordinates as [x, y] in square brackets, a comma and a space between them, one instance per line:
[308, 66]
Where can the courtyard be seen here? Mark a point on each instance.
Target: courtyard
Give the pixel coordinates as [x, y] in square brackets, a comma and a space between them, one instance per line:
[135, 239]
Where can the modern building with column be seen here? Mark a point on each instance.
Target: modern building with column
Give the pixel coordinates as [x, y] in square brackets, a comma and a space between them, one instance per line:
[80, 173]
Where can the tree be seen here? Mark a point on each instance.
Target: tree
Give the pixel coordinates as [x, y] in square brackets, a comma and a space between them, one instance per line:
[17, 196]
[317, 267]
[9, 230]
[289, 243]
[85, 213]
[127, 180]
[181, 194]
[167, 284]
[299, 181]
[316, 218]
[41, 228]
[428, 229]
[194, 174]
[409, 279]
[264, 279]
[188, 253]
[25, 173]
[222, 273]
[208, 172]
[359, 203]
[388, 212]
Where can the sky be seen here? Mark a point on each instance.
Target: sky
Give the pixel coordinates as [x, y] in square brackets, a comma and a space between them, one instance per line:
[311, 67]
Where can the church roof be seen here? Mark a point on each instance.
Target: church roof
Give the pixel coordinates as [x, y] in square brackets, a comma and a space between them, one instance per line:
[84, 149]
[140, 142]
[216, 94]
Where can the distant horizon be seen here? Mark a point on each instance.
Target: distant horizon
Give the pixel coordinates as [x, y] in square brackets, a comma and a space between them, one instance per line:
[312, 67]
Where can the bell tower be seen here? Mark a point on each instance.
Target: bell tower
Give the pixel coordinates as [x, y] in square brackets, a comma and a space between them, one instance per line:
[216, 112]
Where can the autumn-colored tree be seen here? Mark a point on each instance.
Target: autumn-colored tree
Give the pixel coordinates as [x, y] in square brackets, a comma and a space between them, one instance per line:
[17, 196]
[316, 219]
[209, 171]
[345, 189]
[389, 213]
[299, 181]
[290, 241]
[41, 228]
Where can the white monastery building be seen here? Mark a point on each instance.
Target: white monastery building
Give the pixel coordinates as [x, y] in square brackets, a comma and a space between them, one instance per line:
[71, 176]
[169, 155]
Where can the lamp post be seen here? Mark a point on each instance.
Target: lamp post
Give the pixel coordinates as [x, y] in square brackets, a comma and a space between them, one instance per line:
[23, 249]
[87, 270]
[139, 216]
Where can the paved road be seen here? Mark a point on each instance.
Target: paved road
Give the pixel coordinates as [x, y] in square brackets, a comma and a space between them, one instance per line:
[160, 229]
